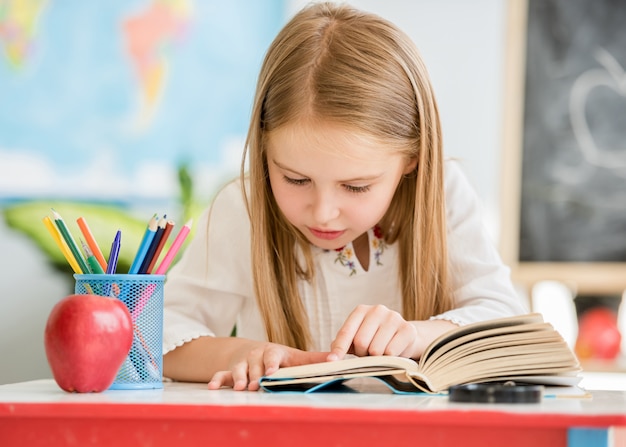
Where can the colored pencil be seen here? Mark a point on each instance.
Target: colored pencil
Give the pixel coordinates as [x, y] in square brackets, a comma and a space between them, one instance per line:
[71, 243]
[114, 253]
[54, 231]
[91, 242]
[171, 253]
[144, 245]
[93, 263]
[166, 234]
[153, 245]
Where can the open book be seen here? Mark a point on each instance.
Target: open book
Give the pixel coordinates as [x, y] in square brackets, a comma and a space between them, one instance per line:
[523, 348]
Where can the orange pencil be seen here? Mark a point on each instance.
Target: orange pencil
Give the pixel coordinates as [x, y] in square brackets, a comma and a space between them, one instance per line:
[91, 242]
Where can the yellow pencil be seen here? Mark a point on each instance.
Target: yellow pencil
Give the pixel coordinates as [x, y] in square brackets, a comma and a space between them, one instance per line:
[62, 245]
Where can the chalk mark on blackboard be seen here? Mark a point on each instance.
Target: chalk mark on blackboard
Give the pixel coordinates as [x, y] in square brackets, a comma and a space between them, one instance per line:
[613, 77]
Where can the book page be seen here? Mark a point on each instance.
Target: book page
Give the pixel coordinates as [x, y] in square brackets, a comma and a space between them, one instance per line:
[395, 380]
[480, 327]
[502, 368]
[356, 365]
[527, 357]
[466, 346]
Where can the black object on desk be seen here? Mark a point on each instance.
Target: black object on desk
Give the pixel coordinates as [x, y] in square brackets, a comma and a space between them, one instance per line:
[508, 392]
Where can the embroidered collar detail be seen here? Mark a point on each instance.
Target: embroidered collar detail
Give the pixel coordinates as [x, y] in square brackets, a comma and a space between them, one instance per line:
[378, 244]
[346, 256]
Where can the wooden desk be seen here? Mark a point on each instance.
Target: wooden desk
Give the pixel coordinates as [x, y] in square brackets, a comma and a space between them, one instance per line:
[38, 413]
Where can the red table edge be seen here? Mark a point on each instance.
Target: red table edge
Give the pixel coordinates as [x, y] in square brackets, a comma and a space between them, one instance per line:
[265, 413]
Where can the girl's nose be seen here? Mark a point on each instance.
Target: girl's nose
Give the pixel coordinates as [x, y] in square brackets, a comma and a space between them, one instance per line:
[325, 207]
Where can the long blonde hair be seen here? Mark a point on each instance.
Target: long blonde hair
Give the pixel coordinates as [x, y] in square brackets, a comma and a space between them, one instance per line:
[336, 63]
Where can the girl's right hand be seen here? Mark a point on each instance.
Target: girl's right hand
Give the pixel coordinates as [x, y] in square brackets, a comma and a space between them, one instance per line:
[248, 366]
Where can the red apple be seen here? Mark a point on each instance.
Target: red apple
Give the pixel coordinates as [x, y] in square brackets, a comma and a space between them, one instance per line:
[598, 335]
[87, 338]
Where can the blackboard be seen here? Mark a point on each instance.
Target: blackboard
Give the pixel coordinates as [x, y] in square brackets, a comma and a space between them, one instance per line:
[565, 143]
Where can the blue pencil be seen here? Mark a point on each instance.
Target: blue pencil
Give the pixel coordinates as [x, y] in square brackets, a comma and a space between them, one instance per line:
[153, 245]
[145, 245]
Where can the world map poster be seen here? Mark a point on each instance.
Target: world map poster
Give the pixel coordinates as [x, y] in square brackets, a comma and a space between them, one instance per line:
[105, 102]
[104, 99]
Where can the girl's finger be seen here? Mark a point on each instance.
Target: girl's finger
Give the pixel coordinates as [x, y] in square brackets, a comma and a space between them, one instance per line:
[365, 335]
[378, 327]
[345, 335]
[240, 376]
[220, 379]
[272, 360]
[380, 343]
[256, 369]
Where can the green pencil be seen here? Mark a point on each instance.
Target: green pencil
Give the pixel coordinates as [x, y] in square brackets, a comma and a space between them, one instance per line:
[94, 265]
[58, 220]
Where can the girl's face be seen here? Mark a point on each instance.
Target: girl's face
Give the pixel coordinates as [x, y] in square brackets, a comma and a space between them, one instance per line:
[331, 182]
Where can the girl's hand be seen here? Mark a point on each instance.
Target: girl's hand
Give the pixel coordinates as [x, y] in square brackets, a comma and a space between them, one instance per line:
[375, 330]
[249, 366]
[378, 330]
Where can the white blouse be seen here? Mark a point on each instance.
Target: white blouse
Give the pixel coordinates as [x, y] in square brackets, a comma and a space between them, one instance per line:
[210, 290]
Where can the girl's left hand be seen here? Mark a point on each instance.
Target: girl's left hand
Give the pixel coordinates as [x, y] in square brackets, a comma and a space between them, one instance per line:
[249, 363]
[375, 330]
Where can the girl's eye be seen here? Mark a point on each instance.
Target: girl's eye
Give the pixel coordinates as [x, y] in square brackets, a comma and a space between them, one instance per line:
[296, 181]
[357, 189]
[306, 181]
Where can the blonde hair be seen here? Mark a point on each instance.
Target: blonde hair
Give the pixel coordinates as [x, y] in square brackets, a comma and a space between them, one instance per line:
[332, 62]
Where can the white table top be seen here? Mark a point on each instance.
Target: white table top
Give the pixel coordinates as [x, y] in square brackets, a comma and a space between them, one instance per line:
[599, 401]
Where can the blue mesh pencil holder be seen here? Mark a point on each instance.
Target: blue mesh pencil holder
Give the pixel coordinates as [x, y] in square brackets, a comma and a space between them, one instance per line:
[143, 296]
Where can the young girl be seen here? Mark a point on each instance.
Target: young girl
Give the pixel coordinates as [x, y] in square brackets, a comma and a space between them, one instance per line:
[350, 234]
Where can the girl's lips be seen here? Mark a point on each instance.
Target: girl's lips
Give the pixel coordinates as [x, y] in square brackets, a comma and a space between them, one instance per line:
[327, 235]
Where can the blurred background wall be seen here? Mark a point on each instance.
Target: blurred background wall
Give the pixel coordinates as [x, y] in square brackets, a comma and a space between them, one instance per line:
[142, 106]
